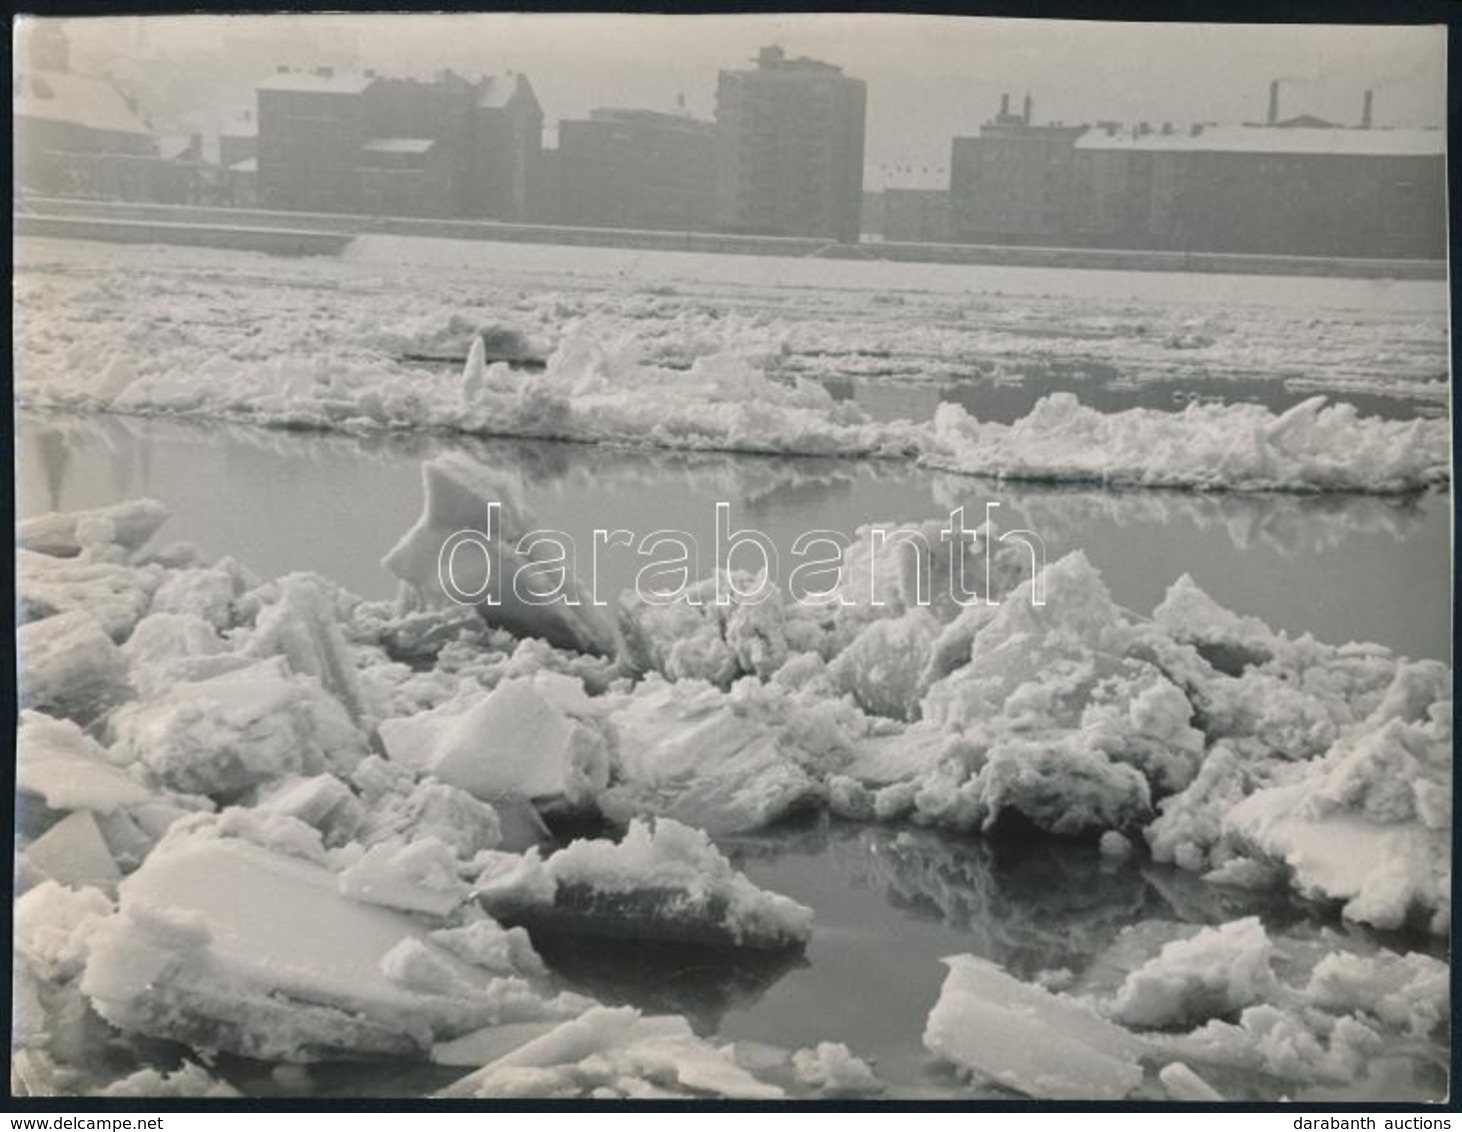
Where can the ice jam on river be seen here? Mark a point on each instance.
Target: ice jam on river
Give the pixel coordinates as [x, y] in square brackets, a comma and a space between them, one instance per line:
[1100, 835]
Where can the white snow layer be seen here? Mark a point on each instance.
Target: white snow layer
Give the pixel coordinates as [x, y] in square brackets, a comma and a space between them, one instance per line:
[693, 886]
[609, 1053]
[1028, 1039]
[1093, 1046]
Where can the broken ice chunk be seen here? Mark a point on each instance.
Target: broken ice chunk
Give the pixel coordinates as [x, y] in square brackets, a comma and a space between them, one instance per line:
[50, 1019]
[68, 666]
[883, 668]
[131, 523]
[303, 627]
[1216, 972]
[696, 638]
[489, 1043]
[1382, 872]
[226, 945]
[1408, 993]
[116, 595]
[167, 648]
[207, 593]
[1063, 783]
[417, 877]
[1024, 1037]
[1368, 823]
[1183, 1084]
[190, 1080]
[1284, 1043]
[665, 881]
[487, 944]
[615, 1048]
[225, 734]
[72, 852]
[690, 752]
[435, 809]
[832, 1069]
[68, 769]
[321, 801]
[458, 493]
[514, 739]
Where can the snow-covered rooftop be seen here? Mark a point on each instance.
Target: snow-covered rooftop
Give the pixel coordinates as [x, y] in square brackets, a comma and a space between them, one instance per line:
[399, 145]
[313, 82]
[910, 175]
[497, 91]
[1267, 139]
[62, 97]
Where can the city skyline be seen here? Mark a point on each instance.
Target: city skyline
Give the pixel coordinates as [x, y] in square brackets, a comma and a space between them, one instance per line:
[930, 78]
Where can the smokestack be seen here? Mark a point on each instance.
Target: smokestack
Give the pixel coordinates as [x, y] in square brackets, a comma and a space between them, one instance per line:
[1004, 105]
[1365, 111]
[1027, 115]
[1274, 102]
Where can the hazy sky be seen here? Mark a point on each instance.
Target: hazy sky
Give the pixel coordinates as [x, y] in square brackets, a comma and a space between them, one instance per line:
[929, 77]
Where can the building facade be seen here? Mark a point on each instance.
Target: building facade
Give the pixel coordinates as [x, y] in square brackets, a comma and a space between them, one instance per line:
[789, 155]
[1012, 182]
[636, 169]
[1285, 189]
[387, 146]
[81, 136]
[311, 130]
[915, 215]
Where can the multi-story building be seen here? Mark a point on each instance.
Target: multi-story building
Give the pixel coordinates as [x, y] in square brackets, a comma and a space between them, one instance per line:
[450, 147]
[636, 169]
[872, 213]
[789, 158]
[506, 143]
[914, 202]
[78, 135]
[311, 129]
[1296, 190]
[1012, 183]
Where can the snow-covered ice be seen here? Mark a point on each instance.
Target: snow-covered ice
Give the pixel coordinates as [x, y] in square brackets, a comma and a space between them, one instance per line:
[663, 881]
[234, 945]
[1028, 1039]
[675, 371]
[614, 1052]
[834, 1071]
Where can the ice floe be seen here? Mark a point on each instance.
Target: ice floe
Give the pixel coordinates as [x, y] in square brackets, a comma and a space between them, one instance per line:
[614, 1052]
[600, 387]
[663, 881]
[1028, 1039]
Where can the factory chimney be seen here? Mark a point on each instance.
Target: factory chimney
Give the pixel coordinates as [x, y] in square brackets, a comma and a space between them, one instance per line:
[1027, 115]
[1365, 111]
[1004, 105]
[1274, 102]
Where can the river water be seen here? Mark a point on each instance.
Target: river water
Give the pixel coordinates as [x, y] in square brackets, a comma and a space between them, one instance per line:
[1341, 567]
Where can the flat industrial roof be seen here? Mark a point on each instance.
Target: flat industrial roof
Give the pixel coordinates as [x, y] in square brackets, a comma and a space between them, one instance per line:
[399, 145]
[1274, 139]
[311, 82]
